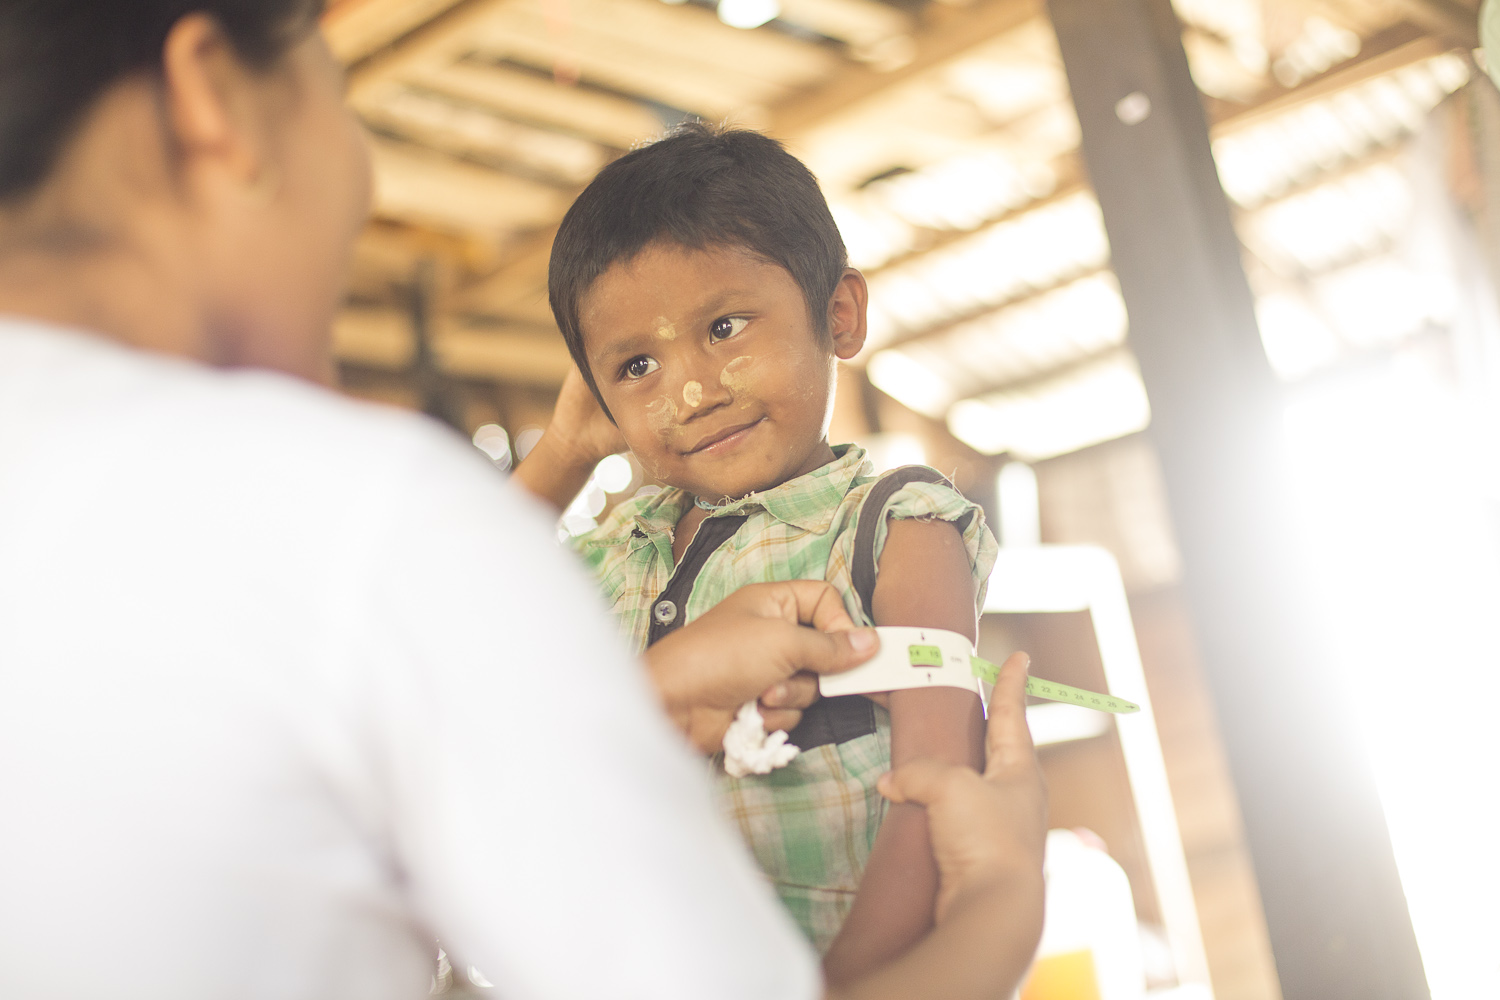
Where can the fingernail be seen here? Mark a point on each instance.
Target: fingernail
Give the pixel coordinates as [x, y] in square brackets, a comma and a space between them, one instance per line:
[776, 696]
[863, 640]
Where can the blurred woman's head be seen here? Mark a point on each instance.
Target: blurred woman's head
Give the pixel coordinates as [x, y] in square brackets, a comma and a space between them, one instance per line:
[179, 174]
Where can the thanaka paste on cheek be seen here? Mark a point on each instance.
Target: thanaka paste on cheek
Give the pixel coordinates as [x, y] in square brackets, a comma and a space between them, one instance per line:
[692, 393]
[661, 414]
[734, 377]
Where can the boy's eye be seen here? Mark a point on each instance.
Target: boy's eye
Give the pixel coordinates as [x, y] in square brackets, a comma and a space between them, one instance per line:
[640, 367]
[723, 329]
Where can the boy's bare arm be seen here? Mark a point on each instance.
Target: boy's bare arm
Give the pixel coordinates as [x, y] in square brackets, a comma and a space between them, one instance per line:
[924, 579]
[988, 834]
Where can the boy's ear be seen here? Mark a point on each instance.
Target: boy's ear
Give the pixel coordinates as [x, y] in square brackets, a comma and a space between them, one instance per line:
[846, 314]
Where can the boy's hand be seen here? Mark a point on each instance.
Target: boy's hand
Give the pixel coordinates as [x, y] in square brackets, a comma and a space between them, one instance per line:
[987, 830]
[755, 643]
[579, 437]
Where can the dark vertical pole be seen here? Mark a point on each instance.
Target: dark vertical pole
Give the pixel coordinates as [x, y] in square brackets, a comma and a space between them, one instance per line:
[1334, 905]
[432, 387]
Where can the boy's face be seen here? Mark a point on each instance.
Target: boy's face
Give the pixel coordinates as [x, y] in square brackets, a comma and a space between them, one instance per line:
[712, 368]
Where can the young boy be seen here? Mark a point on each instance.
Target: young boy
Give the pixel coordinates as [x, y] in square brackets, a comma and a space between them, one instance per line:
[703, 290]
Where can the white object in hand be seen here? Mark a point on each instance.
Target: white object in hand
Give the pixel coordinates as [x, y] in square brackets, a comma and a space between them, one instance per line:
[747, 748]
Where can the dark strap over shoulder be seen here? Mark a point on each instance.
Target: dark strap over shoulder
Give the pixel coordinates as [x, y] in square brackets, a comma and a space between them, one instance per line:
[834, 720]
[829, 720]
[841, 719]
[862, 569]
[669, 611]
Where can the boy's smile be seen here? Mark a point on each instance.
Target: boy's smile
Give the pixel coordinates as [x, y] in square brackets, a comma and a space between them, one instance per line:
[713, 368]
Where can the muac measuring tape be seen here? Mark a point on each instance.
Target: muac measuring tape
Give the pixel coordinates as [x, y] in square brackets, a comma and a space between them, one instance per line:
[933, 657]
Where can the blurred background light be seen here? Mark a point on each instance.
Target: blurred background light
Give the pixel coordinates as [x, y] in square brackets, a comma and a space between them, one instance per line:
[1397, 514]
[1033, 252]
[494, 442]
[1059, 723]
[1020, 505]
[526, 440]
[1297, 339]
[892, 451]
[748, 13]
[909, 382]
[1319, 47]
[614, 474]
[1347, 218]
[1268, 157]
[1096, 402]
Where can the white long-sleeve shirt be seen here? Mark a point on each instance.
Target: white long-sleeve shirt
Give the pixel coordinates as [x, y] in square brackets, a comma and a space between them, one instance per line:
[291, 686]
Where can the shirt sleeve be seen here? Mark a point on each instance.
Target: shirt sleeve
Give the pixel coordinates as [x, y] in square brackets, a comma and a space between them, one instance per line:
[605, 544]
[928, 501]
[550, 826]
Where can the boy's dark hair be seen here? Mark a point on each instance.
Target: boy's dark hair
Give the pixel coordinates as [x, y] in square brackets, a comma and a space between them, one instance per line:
[58, 56]
[701, 187]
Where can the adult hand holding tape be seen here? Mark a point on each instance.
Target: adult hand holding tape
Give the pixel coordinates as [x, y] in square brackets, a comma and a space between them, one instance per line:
[908, 658]
[756, 643]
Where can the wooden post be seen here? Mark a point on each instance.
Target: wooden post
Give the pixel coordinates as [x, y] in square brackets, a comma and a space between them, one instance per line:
[1334, 906]
[434, 389]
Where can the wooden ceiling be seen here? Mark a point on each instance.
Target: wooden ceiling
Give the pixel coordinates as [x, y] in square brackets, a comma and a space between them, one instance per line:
[933, 126]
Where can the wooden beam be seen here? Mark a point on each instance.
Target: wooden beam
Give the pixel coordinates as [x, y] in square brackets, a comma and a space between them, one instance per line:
[679, 55]
[518, 288]
[485, 352]
[952, 32]
[1333, 900]
[358, 28]
[1451, 19]
[433, 44]
[1393, 50]
[613, 121]
[857, 22]
[382, 338]
[1071, 177]
[419, 185]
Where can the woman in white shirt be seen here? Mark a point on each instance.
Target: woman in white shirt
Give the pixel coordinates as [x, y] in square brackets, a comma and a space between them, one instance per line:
[260, 732]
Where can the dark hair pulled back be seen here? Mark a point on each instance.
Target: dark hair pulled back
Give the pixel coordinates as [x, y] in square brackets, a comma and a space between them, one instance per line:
[58, 56]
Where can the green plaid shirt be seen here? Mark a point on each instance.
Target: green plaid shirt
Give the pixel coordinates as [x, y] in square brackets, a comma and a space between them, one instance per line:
[812, 824]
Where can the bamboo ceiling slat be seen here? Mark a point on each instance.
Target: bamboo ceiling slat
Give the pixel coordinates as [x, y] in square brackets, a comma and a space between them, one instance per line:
[417, 185]
[681, 57]
[517, 290]
[382, 338]
[1455, 20]
[697, 35]
[952, 32]
[358, 28]
[481, 150]
[858, 22]
[474, 133]
[482, 352]
[930, 116]
[611, 120]
[434, 46]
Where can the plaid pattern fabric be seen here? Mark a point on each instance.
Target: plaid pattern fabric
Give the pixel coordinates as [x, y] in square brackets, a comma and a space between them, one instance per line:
[812, 824]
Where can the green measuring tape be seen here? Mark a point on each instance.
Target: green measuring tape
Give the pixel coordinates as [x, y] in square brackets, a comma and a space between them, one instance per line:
[938, 657]
[1053, 691]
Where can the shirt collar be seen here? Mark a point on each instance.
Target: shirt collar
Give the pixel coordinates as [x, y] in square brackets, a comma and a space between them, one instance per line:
[808, 502]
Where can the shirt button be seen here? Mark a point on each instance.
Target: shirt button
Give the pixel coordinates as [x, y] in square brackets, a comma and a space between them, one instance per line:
[665, 612]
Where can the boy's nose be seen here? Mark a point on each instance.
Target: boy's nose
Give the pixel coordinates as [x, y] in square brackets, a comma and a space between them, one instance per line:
[702, 392]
